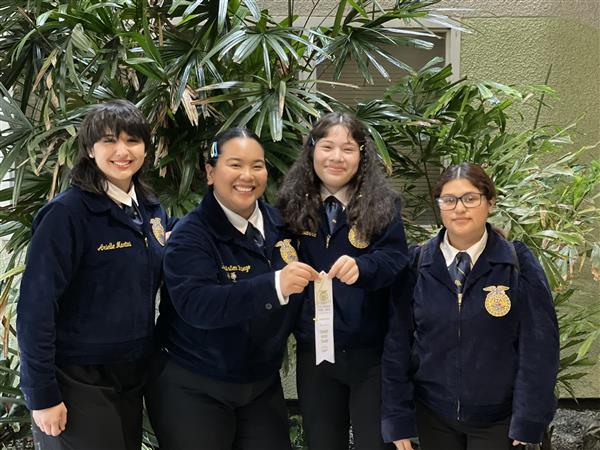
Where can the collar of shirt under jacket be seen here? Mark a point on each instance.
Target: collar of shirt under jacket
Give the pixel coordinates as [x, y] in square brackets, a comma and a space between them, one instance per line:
[121, 197]
[341, 195]
[240, 224]
[474, 251]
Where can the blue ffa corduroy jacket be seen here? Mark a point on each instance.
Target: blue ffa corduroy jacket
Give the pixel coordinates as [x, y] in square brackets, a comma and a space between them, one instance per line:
[361, 309]
[463, 362]
[222, 318]
[88, 291]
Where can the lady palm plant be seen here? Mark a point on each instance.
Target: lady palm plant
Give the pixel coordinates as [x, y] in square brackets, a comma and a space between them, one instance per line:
[193, 67]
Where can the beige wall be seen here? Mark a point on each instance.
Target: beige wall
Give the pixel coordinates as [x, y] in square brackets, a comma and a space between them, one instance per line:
[532, 36]
[587, 11]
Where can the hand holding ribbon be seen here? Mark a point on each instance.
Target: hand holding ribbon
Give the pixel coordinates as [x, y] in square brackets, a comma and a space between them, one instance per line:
[345, 269]
[295, 277]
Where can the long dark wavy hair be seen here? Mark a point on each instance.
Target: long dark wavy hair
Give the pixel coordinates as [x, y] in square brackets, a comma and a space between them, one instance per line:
[372, 203]
[112, 117]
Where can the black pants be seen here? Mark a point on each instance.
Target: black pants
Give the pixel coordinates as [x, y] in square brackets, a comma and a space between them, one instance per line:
[104, 408]
[192, 412]
[437, 433]
[331, 396]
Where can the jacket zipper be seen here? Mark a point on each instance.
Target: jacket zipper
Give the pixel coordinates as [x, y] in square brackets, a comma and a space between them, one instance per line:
[266, 259]
[327, 239]
[150, 273]
[460, 297]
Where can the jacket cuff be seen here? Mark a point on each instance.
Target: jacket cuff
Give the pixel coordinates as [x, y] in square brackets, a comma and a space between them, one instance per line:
[365, 273]
[394, 428]
[270, 301]
[42, 398]
[526, 431]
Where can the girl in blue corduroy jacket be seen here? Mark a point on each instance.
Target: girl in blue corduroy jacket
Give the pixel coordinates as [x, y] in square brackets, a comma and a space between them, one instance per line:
[471, 356]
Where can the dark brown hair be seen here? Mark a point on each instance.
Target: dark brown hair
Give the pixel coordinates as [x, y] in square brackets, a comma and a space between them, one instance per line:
[114, 116]
[474, 173]
[220, 139]
[372, 203]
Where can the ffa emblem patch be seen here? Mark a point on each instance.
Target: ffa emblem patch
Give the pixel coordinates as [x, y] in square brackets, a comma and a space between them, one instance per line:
[497, 302]
[287, 252]
[158, 230]
[356, 240]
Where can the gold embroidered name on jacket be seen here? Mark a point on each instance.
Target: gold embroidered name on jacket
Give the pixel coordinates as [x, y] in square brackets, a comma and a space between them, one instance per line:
[114, 246]
[236, 268]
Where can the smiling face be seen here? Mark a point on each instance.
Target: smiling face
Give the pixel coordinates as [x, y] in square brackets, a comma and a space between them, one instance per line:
[239, 176]
[119, 157]
[465, 226]
[336, 158]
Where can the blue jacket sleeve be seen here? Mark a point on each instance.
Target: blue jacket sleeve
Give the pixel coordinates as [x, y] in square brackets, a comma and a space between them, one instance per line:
[387, 257]
[191, 267]
[534, 402]
[397, 409]
[53, 256]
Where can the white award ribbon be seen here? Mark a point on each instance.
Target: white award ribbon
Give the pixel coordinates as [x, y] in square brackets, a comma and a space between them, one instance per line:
[324, 347]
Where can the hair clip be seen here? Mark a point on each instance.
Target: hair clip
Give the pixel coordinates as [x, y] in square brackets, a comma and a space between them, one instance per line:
[214, 150]
[311, 141]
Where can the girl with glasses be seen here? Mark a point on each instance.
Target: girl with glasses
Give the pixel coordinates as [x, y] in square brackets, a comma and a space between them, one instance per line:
[471, 357]
[347, 221]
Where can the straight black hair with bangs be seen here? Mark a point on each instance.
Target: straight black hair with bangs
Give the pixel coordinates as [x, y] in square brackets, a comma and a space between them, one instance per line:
[112, 117]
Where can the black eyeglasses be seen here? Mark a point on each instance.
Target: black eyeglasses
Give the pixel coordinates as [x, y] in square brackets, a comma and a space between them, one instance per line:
[469, 200]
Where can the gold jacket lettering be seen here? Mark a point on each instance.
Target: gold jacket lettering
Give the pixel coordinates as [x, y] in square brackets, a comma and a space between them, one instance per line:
[114, 246]
[236, 268]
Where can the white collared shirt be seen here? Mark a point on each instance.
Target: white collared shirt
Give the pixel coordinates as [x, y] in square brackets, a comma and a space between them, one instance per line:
[257, 220]
[240, 223]
[474, 251]
[119, 196]
[341, 195]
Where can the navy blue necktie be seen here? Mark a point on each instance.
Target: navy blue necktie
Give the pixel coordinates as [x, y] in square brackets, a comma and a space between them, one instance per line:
[133, 212]
[459, 270]
[255, 236]
[332, 209]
